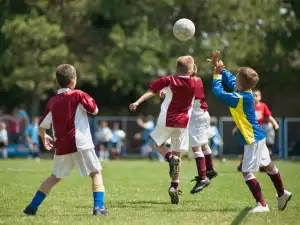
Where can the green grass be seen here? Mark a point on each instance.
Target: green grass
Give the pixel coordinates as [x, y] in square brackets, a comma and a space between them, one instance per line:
[136, 193]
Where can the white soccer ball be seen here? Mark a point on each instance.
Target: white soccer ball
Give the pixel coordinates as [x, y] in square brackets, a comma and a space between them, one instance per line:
[184, 29]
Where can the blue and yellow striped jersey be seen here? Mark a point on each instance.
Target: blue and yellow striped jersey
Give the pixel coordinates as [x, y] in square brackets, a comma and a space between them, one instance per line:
[241, 105]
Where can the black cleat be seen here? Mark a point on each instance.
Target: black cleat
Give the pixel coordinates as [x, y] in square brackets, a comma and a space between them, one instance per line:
[211, 173]
[174, 167]
[200, 184]
[100, 211]
[174, 195]
[30, 211]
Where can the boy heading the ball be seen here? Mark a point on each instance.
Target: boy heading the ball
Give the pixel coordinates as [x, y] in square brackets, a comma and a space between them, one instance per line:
[66, 113]
[241, 104]
[174, 116]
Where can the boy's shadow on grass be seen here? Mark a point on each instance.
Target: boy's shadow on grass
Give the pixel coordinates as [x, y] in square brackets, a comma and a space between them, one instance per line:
[241, 216]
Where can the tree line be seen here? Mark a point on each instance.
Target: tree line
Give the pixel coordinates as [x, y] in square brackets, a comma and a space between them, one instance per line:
[118, 46]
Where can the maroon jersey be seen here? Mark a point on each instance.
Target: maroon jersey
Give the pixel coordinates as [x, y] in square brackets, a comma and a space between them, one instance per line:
[67, 113]
[179, 95]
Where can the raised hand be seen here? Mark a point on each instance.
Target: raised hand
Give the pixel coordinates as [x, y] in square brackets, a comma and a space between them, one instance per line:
[214, 58]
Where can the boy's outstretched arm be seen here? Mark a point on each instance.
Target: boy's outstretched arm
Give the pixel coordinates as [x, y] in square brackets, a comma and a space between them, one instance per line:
[230, 99]
[274, 122]
[228, 79]
[155, 88]
[144, 97]
[47, 140]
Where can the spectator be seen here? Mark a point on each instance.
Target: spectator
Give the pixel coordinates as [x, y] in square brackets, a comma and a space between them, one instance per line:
[117, 139]
[148, 126]
[103, 136]
[32, 137]
[3, 139]
[216, 142]
[25, 120]
[14, 123]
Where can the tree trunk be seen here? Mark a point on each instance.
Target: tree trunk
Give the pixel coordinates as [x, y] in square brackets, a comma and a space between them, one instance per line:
[35, 103]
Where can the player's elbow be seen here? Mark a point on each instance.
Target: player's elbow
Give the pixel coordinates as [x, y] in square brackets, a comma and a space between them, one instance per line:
[95, 112]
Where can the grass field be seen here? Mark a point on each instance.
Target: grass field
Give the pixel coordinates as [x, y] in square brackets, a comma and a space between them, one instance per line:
[136, 193]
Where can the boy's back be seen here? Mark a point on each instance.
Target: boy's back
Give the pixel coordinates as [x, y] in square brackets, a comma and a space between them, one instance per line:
[67, 113]
[179, 94]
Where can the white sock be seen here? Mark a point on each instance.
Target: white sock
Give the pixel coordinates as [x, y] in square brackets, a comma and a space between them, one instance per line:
[207, 152]
[273, 172]
[198, 154]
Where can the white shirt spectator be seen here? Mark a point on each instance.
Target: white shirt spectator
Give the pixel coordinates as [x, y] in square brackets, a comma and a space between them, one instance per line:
[103, 134]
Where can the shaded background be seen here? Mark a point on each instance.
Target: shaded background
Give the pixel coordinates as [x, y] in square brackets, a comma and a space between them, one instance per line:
[119, 46]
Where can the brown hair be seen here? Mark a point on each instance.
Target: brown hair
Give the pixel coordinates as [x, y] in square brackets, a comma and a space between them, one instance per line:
[185, 64]
[248, 78]
[65, 73]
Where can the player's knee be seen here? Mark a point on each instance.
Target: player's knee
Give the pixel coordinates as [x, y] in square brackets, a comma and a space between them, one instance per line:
[93, 174]
[271, 169]
[248, 176]
[205, 147]
[197, 149]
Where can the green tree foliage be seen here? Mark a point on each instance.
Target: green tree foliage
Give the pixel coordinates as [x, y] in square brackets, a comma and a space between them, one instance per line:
[121, 45]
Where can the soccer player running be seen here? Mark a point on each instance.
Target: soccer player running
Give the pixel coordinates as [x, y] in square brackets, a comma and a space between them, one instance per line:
[200, 133]
[67, 114]
[241, 104]
[174, 116]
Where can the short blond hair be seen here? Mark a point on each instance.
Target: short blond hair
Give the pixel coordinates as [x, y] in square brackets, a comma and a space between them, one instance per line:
[185, 64]
[248, 78]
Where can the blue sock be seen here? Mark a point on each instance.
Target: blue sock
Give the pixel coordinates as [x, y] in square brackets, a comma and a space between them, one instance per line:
[98, 199]
[37, 199]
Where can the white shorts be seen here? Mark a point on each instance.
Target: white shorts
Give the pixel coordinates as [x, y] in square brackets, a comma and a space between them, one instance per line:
[85, 161]
[179, 137]
[255, 156]
[199, 129]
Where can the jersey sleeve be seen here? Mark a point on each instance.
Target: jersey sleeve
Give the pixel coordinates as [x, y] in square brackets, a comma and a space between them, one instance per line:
[160, 84]
[230, 99]
[267, 112]
[46, 119]
[228, 79]
[87, 102]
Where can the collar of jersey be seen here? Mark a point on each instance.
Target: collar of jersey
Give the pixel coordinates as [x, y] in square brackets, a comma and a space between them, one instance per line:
[249, 91]
[62, 90]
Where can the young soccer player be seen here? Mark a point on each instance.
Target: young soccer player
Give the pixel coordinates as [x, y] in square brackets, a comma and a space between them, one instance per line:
[262, 114]
[66, 113]
[174, 116]
[241, 104]
[200, 133]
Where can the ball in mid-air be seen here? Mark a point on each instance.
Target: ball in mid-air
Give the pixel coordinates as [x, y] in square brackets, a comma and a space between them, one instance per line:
[184, 29]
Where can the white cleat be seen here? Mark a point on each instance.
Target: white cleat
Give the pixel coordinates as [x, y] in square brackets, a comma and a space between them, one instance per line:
[284, 199]
[260, 209]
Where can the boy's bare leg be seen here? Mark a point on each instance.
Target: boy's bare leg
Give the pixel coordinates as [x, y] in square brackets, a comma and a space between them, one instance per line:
[98, 194]
[283, 196]
[41, 194]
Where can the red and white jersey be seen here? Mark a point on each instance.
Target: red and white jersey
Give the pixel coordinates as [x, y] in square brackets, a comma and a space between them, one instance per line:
[261, 112]
[176, 107]
[67, 113]
[199, 105]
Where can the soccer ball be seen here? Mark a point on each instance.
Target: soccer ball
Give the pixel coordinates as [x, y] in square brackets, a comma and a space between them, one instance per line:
[184, 29]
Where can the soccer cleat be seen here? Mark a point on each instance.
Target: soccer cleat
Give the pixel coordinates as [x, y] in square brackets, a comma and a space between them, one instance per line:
[284, 199]
[174, 167]
[174, 195]
[100, 211]
[30, 211]
[200, 184]
[211, 173]
[259, 208]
